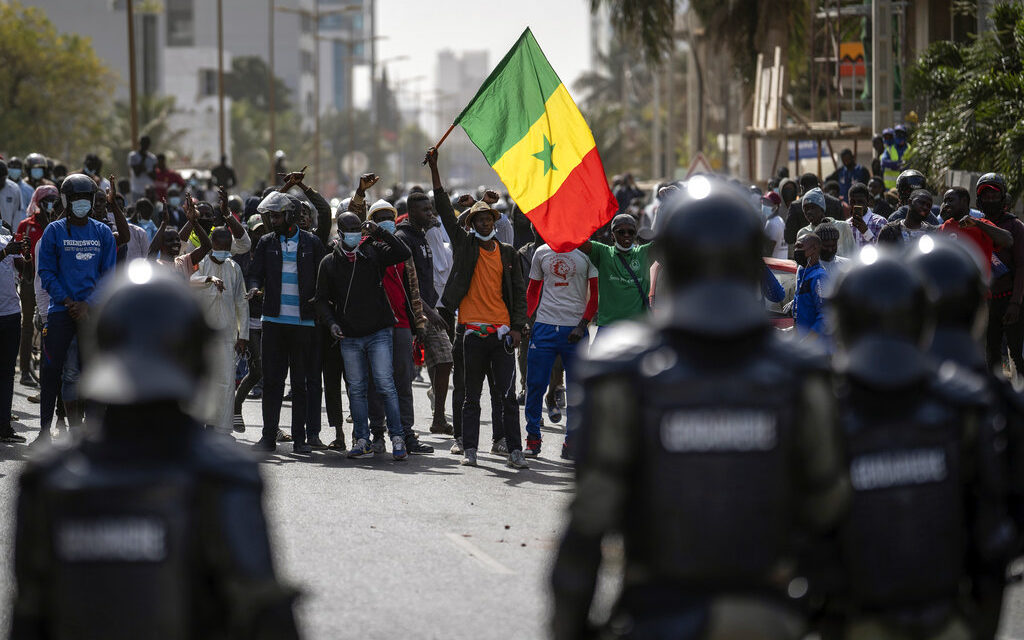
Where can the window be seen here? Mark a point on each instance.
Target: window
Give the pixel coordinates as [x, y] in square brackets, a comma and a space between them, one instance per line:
[306, 61]
[180, 23]
[207, 83]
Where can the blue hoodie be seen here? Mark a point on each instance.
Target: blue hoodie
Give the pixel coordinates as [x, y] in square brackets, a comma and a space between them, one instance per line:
[72, 260]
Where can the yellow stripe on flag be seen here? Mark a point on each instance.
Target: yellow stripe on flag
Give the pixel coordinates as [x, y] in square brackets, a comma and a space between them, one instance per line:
[561, 132]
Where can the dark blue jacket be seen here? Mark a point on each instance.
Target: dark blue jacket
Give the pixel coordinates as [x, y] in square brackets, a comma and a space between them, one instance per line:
[265, 272]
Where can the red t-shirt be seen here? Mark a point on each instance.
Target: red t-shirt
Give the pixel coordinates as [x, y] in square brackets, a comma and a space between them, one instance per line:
[981, 241]
[32, 230]
[396, 293]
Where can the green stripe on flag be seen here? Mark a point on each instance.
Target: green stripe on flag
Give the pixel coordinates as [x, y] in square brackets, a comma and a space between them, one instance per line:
[510, 100]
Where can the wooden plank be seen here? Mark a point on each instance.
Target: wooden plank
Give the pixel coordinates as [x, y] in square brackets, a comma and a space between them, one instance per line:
[757, 92]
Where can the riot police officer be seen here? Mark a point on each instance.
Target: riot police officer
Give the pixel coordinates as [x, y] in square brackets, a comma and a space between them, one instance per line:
[911, 435]
[705, 440]
[150, 527]
[953, 274]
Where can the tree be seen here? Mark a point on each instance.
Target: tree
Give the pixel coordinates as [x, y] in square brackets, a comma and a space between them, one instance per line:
[54, 90]
[154, 121]
[975, 94]
[247, 80]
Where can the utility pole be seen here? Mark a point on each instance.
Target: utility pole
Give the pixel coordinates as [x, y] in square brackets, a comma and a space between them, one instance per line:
[375, 144]
[220, 73]
[881, 65]
[132, 94]
[270, 91]
[656, 124]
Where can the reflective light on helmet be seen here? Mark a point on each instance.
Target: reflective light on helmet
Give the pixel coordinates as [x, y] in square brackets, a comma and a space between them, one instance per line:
[869, 254]
[698, 187]
[140, 271]
[926, 244]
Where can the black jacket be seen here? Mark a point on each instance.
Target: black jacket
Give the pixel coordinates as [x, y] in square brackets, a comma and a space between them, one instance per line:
[465, 251]
[265, 272]
[423, 258]
[351, 294]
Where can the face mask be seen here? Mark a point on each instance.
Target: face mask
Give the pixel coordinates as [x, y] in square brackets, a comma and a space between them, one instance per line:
[36, 173]
[620, 247]
[221, 255]
[799, 257]
[174, 201]
[351, 239]
[14, 174]
[48, 206]
[484, 238]
[387, 225]
[81, 208]
[990, 209]
[826, 256]
[767, 211]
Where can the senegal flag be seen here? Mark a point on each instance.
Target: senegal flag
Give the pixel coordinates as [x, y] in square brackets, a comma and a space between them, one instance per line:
[535, 138]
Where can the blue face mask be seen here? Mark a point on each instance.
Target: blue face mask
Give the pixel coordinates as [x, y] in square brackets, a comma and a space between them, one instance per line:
[174, 201]
[351, 239]
[484, 238]
[14, 174]
[766, 211]
[221, 256]
[81, 208]
[48, 206]
[36, 173]
[387, 225]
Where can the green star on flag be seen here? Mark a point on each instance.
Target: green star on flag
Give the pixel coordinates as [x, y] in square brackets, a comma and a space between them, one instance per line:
[545, 156]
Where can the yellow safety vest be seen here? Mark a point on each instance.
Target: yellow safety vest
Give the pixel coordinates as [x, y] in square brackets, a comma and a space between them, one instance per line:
[891, 175]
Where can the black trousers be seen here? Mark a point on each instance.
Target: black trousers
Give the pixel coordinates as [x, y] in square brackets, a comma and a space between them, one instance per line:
[333, 369]
[291, 349]
[10, 337]
[1014, 334]
[481, 355]
[255, 373]
[459, 392]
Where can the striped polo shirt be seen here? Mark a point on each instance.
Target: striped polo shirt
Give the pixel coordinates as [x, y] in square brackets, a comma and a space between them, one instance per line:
[289, 285]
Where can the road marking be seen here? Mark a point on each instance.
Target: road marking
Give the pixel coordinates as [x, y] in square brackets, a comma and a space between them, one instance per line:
[477, 553]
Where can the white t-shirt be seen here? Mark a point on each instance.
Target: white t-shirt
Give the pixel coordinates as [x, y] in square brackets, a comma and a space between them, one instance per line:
[140, 182]
[12, 209]
[441, 248]
[566, 285]
[10, 303]
[774, 228]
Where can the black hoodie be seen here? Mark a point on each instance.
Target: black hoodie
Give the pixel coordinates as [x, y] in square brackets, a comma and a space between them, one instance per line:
[351, 293]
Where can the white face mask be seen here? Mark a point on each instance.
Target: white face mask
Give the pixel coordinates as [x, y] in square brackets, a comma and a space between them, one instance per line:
[484, 238]
[622, 248]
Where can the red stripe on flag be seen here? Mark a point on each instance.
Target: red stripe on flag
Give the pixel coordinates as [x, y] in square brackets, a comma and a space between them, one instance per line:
[581, 206]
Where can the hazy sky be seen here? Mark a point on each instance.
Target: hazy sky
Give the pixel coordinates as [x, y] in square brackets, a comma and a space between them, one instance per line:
[421, 28]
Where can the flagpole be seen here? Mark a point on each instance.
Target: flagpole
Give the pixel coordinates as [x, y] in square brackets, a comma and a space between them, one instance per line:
[443, 138]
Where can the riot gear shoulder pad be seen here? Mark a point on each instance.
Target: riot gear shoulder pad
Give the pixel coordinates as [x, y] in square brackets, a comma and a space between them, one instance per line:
[961, 387]
[618, 349]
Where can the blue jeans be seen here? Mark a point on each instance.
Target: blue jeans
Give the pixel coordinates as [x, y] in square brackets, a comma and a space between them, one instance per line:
[547, 341]
[364, 357]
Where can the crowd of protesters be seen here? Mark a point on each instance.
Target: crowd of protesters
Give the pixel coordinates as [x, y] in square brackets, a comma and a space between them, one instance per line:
[459, 286]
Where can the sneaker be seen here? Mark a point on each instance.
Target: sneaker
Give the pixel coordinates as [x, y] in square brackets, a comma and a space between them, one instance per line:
[532, 447]
[34, 399]
[349, 419]
[316, 444]
[362, 449]
[415, 447]
[237, 423]
[521, 398]
[499, 447]
[457, 447]
[517, 460]
[398, 448]
[11, 438]
[554, 413]
[378, 446]
[265, 445]
[560, 398]
[469, 458]
[256, 394]
[304, 449]
[283, 437]
[28, 381]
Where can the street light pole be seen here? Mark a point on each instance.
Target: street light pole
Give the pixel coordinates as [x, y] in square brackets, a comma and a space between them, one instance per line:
[220, 72]
[132, 94]
[270, 92]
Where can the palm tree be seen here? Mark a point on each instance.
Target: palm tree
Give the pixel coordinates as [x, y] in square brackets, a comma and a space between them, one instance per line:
[154, 121]
[975, 94]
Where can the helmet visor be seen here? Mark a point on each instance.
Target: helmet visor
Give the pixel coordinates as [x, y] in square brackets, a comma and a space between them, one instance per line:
[275, 202]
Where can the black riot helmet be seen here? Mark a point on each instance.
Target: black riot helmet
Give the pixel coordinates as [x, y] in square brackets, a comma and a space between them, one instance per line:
[35, 161]
[277, 202]
[76, 186]
[151, 340]
[992, 181]
[909, 181]
[882, 315]
[953, 274]
[708, 241]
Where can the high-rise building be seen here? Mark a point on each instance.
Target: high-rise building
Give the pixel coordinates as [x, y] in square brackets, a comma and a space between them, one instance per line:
[458, 78]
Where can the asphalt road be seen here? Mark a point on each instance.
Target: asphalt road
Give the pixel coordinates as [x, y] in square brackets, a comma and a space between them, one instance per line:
[420, 549]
